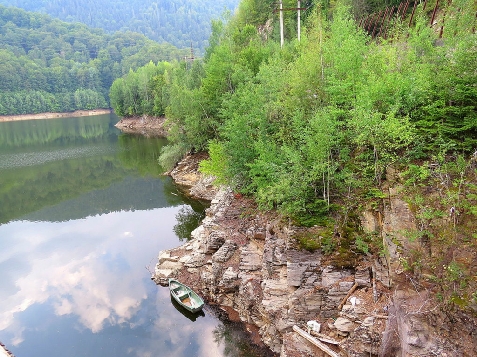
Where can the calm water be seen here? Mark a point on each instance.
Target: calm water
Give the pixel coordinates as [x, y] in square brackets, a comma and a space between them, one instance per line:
[83, 215]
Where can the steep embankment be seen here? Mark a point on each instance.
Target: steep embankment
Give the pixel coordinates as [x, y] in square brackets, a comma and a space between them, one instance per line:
[250, 263]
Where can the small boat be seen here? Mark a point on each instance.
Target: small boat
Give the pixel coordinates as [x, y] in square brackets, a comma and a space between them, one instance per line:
[185, 296]
[192, 316]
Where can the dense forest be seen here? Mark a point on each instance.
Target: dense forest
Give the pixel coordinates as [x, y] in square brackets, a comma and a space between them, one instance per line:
[50, 65]
[181, 23]
[315, 129]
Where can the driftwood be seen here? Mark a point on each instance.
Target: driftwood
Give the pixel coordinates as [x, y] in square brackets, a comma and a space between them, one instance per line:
[314, 341]
[340, 306]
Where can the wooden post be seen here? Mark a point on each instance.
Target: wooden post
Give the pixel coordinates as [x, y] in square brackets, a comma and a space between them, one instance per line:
[281, 24]
[299, 19]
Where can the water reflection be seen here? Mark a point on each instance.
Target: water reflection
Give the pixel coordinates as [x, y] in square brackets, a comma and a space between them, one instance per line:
[83, 215]
[192, 316]
[80, 282]
[187, 220]
[47, 162]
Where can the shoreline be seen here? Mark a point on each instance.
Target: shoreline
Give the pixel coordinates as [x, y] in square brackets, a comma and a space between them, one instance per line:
[50, 115]
[144, 125]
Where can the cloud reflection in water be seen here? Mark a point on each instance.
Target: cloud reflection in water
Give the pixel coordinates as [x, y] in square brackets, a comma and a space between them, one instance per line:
[94, 270]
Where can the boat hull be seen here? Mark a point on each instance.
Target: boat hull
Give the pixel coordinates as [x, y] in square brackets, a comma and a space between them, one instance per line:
[185, 296]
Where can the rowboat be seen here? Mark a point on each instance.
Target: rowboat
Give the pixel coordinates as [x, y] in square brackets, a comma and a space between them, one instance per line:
[185, 296]
[192, 316]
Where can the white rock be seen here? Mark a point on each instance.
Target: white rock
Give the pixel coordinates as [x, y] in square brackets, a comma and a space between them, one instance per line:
[314, 325]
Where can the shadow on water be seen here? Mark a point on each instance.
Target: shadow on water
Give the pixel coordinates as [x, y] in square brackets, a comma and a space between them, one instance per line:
[186, 313]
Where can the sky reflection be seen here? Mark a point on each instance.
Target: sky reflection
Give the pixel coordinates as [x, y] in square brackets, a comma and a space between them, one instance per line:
[94, 271]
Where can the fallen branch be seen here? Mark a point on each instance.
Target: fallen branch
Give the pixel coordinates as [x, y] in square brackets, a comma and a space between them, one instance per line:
[317, 343]
[340, 306]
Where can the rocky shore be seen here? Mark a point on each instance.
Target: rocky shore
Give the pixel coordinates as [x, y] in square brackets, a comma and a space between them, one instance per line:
[144, 125]
[250, 264]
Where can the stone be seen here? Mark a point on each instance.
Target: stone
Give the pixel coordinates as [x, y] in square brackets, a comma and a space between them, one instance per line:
[229, 281]
[362, 277]
[368, 321]
[275, 294]
[214, 241]
[369, 221]
[250, 259]
[344, 325]
[165, 255]
[313, 325]
[332, 275]
[225, 252]
[195, 260]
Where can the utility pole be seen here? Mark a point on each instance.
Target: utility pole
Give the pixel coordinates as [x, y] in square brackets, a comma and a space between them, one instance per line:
[299, 19]
[192, 57]
[298, 9]
[281, 24]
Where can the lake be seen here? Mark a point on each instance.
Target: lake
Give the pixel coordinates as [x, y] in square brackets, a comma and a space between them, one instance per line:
[84, 213]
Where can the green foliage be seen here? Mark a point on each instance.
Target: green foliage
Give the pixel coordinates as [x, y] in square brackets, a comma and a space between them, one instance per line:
[328, 246]
[317, 238]
[309, 242]
[181, 23]
[216, 165]
[140, 92]
[361, 245]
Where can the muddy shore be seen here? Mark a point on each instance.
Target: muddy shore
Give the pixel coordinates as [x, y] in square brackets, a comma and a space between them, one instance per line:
[77, 113]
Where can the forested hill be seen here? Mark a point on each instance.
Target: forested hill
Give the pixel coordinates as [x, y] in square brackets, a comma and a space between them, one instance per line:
[178, 22]
[50, 65]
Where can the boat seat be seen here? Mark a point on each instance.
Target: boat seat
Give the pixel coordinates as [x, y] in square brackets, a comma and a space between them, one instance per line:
[181, 293]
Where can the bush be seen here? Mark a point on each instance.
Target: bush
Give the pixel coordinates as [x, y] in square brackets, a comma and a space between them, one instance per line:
[171, 155]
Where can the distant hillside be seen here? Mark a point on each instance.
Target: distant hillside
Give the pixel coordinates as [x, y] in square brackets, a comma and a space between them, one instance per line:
[50, 65]
[178, 22]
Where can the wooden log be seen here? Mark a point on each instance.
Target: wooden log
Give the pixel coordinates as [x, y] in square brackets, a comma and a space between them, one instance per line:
[314, 341]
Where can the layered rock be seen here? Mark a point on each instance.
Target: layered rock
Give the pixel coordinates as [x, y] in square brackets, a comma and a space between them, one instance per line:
[251, 263]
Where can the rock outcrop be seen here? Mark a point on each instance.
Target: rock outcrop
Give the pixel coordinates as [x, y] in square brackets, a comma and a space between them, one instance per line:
[251, 263]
